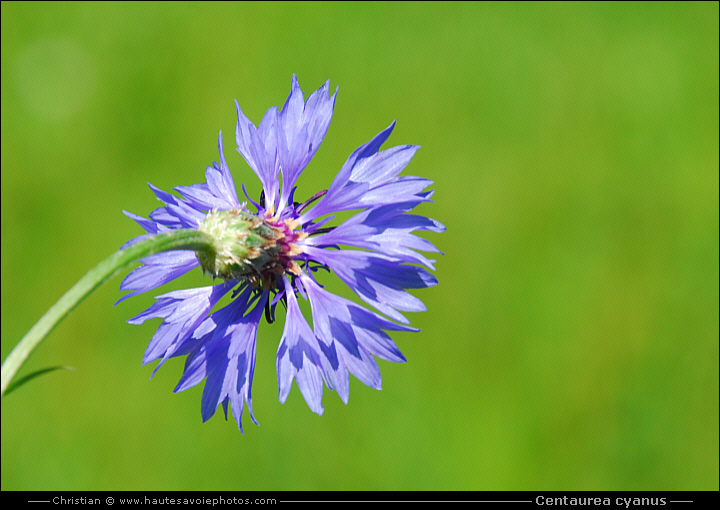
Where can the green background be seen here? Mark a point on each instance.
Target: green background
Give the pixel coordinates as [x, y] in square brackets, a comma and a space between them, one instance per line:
[572, 342]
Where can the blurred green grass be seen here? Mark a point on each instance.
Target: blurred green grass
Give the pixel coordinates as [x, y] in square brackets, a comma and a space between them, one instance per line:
[572, 342]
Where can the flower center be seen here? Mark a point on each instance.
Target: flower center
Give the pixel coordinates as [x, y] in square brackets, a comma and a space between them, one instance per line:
[248, 247]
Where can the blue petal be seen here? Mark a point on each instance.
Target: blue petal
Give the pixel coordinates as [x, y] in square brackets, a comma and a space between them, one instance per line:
[157, 270]
[186, 215]
[198, 196]
[344, 326]
[302, 127]
[195, 368]
[217, 367]
[339, 191]
[225, 356]
[183, 311]
[398, 190]
[220, 180]
[383, 166]
[149, 226]
[299, 357]
[218, 192]
[258, 147]
[378, 280]
[370, 178]
[385, 229]
[164, 218]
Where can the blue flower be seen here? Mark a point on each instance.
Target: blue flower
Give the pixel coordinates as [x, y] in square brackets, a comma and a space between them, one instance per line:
[280, 244]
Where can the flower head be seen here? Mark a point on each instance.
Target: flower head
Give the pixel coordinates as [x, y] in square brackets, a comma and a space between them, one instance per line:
[269, 252]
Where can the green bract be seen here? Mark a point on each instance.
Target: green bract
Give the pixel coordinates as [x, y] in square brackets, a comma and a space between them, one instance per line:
[244, 244]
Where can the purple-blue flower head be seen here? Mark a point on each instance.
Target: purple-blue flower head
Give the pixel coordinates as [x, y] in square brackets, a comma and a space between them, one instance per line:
[270, 251]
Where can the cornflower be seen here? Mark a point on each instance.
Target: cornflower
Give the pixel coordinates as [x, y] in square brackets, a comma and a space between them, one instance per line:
[269, 252]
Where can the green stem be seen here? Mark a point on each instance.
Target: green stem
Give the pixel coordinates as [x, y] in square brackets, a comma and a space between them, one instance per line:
[176, 240]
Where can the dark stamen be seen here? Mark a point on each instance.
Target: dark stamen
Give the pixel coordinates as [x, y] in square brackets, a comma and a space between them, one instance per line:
[310, 200]
[262, 199]
[268, 316]
[317, 266]
[322, 231]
